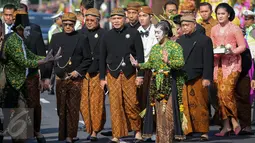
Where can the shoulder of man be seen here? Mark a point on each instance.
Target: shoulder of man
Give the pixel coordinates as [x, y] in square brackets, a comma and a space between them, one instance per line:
[102, 30]
[57, 36]
[54, 26]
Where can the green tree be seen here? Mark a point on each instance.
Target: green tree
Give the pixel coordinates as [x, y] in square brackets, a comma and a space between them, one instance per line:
[15, 2]
[125, 2]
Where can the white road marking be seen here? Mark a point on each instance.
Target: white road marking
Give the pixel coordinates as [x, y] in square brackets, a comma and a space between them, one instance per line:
[82, 122]
[44, 100]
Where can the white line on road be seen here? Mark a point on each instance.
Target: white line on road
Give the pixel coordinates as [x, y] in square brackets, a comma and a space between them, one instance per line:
[82, 122]
[44, 100]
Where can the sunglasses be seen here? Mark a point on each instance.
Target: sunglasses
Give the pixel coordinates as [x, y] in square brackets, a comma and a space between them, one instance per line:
[68, 24]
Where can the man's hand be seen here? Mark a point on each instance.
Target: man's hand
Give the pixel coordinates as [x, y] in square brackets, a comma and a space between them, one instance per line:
[46, 84]
[49, 57]
[253, 84]
[139, 81]
[205, 83]
[133, 61]
[74, 74]
[103, 83]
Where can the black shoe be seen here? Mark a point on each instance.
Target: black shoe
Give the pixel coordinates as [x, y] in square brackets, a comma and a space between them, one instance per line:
[138, 141]
[41, 139]
[246, 133]
[51, 92]
[108, 133]
[75, 139]
[93, 139]
[89, 136]
[148, 140]
[113, 142]
[204, 138]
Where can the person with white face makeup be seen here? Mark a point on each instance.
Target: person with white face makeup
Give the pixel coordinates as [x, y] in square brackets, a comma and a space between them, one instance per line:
[35, 44]
[20, 93]
[198, 55]
[164, 56]
[147, 32]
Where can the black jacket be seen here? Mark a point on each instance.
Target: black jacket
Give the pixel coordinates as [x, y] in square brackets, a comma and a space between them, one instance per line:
[35, 27]
[35, 43]
[246, 63]
[198, 55]
[118, 45]
[200, 29]
[75, 53]
[95, 38]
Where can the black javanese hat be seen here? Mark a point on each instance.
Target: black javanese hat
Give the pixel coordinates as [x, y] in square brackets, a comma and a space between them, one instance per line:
[21, 21]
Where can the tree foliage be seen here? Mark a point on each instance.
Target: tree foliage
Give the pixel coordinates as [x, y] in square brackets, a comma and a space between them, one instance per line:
[125, 2]
[15, 2]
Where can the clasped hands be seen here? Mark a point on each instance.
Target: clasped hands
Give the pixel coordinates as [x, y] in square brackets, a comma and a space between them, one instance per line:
[44, 85]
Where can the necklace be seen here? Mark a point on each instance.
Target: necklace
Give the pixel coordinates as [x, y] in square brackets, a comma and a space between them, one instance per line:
[67, 63]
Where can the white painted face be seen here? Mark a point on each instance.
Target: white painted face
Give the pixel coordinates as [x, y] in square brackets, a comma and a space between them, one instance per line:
[26, 32]
[159, 34]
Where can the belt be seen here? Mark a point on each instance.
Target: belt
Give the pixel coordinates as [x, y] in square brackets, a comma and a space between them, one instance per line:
[166, 73]
[65, 78]
[121, 72]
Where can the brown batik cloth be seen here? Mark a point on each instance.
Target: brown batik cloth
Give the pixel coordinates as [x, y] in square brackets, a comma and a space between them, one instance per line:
[242, 96]
[226, 94]
[68, 93]
[165, 122]
[93, 104]
[124, 105]
[33, 100]
[195, 102]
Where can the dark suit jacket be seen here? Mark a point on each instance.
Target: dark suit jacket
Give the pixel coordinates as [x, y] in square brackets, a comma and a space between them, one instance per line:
[95, 37]
[35, 27]
[118, 45]
[200, 29]
[246, 63]
[198, 55]
[75, 47]
[35, 43]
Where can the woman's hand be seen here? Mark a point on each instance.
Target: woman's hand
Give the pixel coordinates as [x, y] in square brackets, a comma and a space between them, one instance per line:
[165, 56]
[229, 52]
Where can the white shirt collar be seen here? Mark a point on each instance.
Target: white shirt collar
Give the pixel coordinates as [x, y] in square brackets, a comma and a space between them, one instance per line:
[144, 30]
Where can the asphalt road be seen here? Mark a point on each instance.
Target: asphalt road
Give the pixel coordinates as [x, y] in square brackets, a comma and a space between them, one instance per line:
[49, 127]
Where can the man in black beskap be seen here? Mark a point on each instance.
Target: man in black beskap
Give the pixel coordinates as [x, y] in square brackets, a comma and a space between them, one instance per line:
[117, 72]
[93, 97]
[70, 70]
[198, 56]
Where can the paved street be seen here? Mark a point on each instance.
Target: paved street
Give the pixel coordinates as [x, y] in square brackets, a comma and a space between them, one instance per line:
[50, 127]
